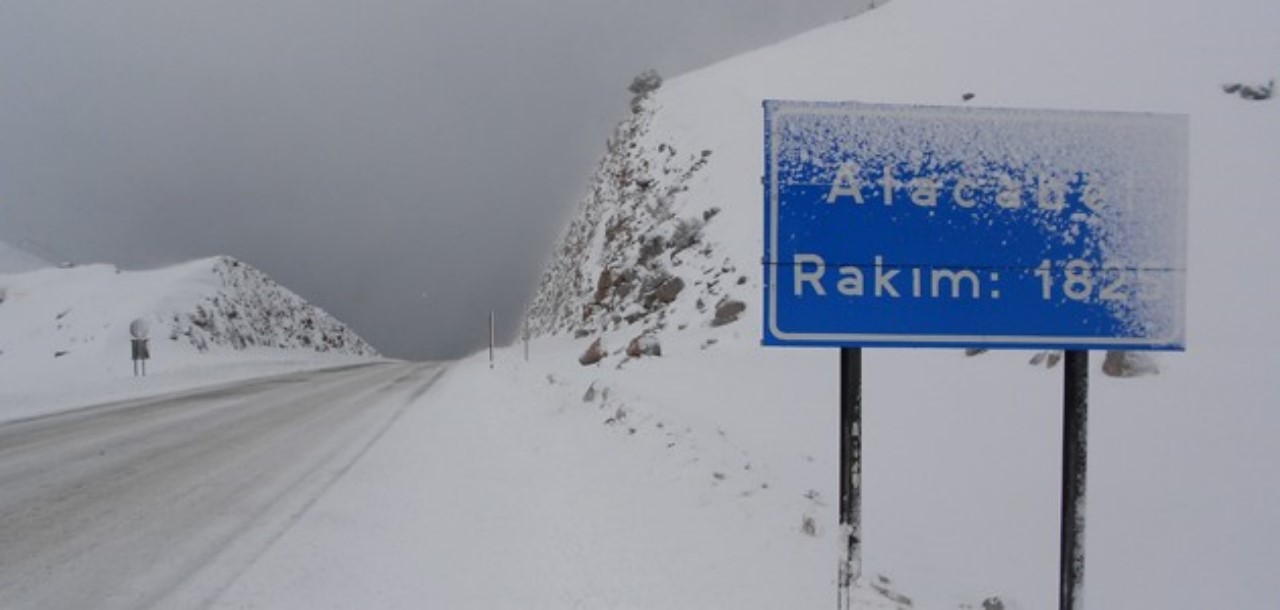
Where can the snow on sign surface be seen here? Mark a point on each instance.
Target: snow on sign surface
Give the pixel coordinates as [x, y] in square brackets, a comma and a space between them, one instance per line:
[932, 226]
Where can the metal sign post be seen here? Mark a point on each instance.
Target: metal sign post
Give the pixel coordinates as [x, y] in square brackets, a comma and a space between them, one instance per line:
[1075, 461]
[492, 334]
[141, 353]
[913, 226]
[850, 569]
[139, 330]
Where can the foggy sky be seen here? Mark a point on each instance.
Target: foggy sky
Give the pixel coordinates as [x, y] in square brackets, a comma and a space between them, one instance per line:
[405, 164]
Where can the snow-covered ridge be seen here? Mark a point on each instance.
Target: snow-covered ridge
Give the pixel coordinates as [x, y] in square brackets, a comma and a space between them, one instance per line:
[65, 332]
[246, 308]
[206, 305]
[636, 255]
[17, 260]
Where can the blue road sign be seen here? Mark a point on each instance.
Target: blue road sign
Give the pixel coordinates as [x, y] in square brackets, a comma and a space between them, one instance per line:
[927, 226]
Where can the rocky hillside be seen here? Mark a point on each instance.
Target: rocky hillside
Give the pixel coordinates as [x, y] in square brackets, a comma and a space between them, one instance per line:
[217, 304]
[246, 308]
[641, 253]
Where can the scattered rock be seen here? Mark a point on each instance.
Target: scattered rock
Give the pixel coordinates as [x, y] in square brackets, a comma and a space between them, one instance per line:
[668, 290]
[1048, 359]
[1254, 93]
[623, 284]
[581, 333]
[1129, 364]
[644, 345]
[883, 589]
[974, 351]
[590, 394]
[603, 285]
[651, 248]
[595, 353]
[619, 414]
[728, 311]
[808, 526]
[967, 96]
[688, 232]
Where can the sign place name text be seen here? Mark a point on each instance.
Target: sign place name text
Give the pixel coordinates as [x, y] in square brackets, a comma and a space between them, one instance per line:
[1006, 190]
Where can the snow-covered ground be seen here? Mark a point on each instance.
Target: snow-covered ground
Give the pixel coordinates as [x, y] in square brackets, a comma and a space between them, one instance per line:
[706, 477]
[512, 488]
[65, 333]
[689, 480]
[686, 482]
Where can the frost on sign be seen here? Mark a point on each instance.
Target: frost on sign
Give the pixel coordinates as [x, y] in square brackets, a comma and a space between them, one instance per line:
[908, 225]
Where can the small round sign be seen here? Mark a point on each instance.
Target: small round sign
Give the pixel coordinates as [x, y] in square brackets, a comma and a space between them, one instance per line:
[139, 329]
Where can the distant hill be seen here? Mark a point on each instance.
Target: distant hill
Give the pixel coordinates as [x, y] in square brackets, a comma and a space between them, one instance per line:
[82, 314]
[16, 260]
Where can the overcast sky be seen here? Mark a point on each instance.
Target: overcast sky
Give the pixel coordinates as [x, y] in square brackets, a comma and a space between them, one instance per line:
[405, 164]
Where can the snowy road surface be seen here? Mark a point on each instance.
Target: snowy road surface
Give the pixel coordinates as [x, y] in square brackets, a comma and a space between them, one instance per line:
[162, 502]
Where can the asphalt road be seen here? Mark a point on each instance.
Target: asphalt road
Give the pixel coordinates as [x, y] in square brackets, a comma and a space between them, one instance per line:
[163, 502]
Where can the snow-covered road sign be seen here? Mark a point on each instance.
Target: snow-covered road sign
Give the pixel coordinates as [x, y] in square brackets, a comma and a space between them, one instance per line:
[927, 226]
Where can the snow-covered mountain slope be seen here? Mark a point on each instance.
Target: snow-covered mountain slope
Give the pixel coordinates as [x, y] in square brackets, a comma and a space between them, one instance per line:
[962, 455]
[65, 327]
[676, 200]
[17, 260]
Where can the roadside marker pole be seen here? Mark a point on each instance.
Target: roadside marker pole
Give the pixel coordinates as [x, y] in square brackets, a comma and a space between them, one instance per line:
[1075, 420]
[850, 473]
[491, 333]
